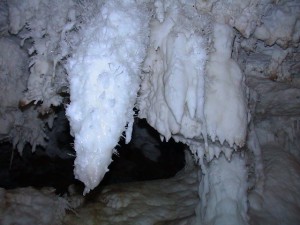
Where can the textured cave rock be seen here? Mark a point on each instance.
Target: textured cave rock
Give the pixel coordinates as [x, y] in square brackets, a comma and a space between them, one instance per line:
[181, 76]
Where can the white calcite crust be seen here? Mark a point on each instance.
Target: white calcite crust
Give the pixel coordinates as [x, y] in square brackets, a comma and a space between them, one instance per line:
[104, 82]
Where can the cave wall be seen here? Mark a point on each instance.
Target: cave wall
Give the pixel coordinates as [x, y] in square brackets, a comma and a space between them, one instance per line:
[220, 76]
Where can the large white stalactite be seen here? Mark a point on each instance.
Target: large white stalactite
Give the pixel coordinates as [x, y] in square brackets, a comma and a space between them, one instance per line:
[225, 89]
[104, 84]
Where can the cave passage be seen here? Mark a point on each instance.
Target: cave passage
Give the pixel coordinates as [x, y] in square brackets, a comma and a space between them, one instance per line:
[158, 160]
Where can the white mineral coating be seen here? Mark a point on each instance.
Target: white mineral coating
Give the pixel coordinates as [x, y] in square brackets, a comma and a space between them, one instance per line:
[225, 105]
[104, 83]
[223, 191]
[172, 90]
